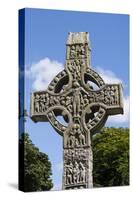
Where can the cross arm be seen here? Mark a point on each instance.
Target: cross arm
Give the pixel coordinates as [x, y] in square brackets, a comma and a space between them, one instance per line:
[110, 97]
[45, 106]
[38, 106]
[113, 98]
[43, 102]
[106, 101]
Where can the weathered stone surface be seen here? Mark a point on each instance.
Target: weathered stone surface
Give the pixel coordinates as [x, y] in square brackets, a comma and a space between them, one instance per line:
[84, 106]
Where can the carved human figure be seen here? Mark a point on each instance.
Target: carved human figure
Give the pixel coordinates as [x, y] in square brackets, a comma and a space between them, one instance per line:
[37, 103]
[71, 138]
[42, 106]
[53, 101]
[107, 95]
[80, 51]
[76, 172]
[86, 100]
[76, 70]
[76, 142]
[81, 138]
[47, 100]
[69, 169]
[101, 97]
[112, 95]
[116, 100]
[82, 172]
[77, 98]
[72, 51]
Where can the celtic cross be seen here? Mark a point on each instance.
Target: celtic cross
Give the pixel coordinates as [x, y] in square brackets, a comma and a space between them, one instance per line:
[81, 96]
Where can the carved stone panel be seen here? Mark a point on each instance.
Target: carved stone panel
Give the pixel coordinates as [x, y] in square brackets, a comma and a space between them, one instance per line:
[76, 167]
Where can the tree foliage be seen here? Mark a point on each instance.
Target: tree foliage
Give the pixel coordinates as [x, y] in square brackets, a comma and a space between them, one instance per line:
[111, 157]
[36, 171]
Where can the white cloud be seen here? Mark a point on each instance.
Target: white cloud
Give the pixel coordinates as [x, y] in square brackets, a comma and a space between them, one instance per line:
[108, 76]
[43, 72]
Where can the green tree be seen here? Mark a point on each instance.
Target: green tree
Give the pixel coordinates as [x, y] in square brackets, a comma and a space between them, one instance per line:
[111, 157]
[35, 167]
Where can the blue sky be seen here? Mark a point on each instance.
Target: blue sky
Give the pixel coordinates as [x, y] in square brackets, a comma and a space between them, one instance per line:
[45, 38]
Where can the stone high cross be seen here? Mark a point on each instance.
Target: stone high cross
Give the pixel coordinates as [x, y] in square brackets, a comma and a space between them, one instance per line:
[80, 95]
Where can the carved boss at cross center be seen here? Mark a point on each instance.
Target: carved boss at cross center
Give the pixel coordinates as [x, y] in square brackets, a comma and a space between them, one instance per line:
[80, 95]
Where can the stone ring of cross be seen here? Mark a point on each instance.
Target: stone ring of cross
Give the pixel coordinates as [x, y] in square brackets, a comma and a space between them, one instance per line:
[80, 96]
